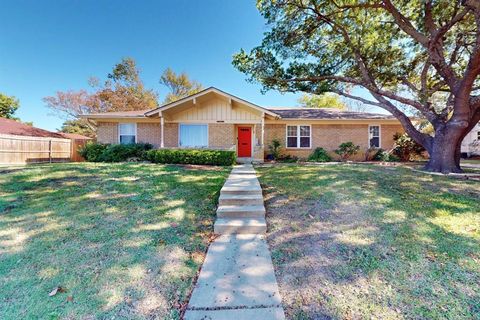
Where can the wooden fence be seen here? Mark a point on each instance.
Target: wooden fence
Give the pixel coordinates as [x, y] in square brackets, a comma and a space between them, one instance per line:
[22, 149]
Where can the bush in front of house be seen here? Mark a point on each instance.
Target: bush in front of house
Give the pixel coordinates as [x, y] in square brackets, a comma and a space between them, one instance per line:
[125, 152]
[192, 156]
[275, 148]
[346, 150]
[93, 151]
[319, 155]
[99, 152]
[385, 156]
[406, 148]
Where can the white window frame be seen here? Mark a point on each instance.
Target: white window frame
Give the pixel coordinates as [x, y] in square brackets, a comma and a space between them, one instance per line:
[379, 136]
[118, 128]
[298, 136]
[193, 124]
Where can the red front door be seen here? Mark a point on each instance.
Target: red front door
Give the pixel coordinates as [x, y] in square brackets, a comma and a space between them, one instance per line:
[244, 142]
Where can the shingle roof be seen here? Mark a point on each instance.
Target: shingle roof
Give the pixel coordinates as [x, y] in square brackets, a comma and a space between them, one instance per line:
[74, 136]
[8, 126]
[327, 114]
[134, 113]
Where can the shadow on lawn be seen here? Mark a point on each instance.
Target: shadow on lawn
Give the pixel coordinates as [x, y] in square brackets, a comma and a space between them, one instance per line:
[124, 239]
[363, 241]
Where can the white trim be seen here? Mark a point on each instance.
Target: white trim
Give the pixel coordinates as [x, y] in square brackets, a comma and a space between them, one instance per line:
[162, 132]
[118, 129]
[298, 136]
[379, 135]
[193, 124]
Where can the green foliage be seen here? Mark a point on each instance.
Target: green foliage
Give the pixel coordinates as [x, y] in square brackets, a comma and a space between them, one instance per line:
[326, 100]
[405, 148]
[385, 156]
[346, 150]
[78, 126]
[97, 152]
[179, 85]
[8, 106]
[320, 155]
[192, 156]
[275, 148]
[288, 159]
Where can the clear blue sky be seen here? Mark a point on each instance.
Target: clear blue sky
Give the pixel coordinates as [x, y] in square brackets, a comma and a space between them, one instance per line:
[49, 46]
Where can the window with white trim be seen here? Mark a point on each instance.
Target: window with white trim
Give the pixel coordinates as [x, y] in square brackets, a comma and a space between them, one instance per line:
[127, 133]
[298, 136]
[193, 136]
[374, 136]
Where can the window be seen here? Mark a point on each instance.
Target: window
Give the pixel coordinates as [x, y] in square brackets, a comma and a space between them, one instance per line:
[193, 135]
[298, 137]
[374, 136]
[127, 133]
[478, 135]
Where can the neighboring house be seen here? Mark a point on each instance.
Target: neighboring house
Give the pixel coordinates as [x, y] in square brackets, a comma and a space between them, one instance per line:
[217, 120]
[471, 142]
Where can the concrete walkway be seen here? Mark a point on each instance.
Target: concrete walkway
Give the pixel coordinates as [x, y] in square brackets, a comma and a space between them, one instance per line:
[237, 279]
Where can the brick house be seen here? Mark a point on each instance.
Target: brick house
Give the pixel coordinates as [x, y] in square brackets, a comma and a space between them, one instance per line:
[215, 119]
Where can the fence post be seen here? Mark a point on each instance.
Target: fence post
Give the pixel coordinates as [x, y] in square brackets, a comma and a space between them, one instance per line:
[50, 151]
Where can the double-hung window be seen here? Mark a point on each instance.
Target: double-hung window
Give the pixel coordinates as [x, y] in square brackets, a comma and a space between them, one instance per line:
[193, 136]
[374, 136]
[298, 137]
[127, 133]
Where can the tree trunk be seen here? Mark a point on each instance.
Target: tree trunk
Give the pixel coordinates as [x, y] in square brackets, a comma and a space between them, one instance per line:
[445, 151]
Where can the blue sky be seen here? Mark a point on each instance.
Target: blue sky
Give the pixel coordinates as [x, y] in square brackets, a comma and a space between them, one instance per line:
[49, 46]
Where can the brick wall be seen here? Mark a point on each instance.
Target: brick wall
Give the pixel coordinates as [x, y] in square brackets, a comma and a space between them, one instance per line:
[107, 132]
[221, 135]
[171, 135]
[330, 137]
[149, 133]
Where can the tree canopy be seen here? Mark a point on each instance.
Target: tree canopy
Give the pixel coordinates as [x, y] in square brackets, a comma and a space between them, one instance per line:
[326, 100]
[8, 106]
[422, 56]
[179, 85]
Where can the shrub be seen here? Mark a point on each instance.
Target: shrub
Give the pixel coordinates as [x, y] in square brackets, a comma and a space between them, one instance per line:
[98, 152]
[406, 148]
[288, 159]
[124, 152]
[319, 155]
[275, 148]
[92, 151]
[346, 150]
[384, 156]
[192, 156]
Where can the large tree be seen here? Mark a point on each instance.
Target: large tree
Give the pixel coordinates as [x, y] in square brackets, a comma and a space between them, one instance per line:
[122, 91]
[179, 85]
[413, 57]
[8, 106]
[326, 100]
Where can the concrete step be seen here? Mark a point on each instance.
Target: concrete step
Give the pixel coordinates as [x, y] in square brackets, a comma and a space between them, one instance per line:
[241, 189]
[240, 225]
[242, 199]
[241, 211]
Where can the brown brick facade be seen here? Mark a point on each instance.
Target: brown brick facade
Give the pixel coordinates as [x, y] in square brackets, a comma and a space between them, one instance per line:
[221, 136]
[387, 133]
[149, 133]
[107, 132]
[171, 135]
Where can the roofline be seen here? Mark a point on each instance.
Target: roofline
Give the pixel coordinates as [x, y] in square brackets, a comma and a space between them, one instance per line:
[205, 91]
[109, 116]
[340, 119]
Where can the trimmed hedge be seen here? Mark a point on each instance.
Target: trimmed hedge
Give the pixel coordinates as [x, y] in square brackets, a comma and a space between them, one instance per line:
[319, 155]
[97, 152]
[192, 156]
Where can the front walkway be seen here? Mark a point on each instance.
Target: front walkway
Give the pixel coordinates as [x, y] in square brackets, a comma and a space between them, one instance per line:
[237, 280]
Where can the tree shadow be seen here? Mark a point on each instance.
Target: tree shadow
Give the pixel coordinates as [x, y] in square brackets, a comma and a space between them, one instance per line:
[123, 239]
[362, 241]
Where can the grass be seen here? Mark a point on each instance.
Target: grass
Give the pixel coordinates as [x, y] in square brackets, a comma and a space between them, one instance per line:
[363, 241]
[123, 240]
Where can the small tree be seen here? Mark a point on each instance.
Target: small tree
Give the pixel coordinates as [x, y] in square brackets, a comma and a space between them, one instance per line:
[275, 148]
[179, 85]
[346, 150]
[8, 106]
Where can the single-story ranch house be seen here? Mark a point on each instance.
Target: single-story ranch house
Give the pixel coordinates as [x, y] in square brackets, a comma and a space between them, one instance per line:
[215, 119]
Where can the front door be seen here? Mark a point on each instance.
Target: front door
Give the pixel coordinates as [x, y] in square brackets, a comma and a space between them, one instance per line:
[244, 142]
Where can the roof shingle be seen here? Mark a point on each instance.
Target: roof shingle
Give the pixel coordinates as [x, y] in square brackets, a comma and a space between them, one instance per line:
[327, 114]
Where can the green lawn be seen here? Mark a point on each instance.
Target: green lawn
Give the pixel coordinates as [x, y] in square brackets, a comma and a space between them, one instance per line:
[123, 240]
[363, 241]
